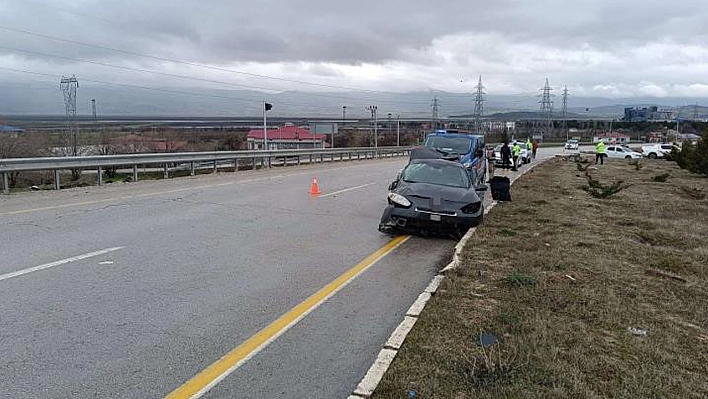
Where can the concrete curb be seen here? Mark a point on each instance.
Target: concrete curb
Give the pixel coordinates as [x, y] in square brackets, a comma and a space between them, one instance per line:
[383, 361]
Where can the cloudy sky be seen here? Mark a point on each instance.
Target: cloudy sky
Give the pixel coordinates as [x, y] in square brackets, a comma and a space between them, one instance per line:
[605, 48]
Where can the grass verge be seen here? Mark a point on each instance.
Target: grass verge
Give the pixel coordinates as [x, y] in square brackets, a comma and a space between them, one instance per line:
[591, 297]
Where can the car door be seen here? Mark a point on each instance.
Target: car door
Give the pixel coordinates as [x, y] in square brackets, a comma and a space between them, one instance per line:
[611, 152]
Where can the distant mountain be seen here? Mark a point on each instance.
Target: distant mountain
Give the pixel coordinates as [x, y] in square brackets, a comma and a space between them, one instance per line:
[35, 98]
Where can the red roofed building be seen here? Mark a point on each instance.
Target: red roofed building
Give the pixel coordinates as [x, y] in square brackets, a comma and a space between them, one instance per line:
[287, 137]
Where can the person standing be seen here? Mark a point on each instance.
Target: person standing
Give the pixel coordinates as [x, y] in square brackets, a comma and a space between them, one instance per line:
[516, 152]
[535, 148]
[529, 148]
[491, 159]
[601, 152]
[505, 154]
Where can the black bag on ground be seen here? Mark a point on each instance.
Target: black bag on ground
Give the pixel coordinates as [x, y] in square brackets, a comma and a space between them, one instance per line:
[501, 188]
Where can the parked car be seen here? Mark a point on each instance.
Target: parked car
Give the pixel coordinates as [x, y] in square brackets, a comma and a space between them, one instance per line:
[466, 148]
[618, 151]
[525, 154]
[654, 151]
[572, 145]
[433, 195]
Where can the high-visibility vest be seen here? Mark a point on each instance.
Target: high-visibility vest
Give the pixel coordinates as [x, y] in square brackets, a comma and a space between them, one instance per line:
[517, 149]
[600, 147]
[529, 145]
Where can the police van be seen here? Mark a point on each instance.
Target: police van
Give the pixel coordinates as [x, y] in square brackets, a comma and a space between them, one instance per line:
[466, 148]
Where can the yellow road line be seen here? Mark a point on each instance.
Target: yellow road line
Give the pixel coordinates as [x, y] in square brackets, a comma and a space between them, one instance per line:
[217, 371]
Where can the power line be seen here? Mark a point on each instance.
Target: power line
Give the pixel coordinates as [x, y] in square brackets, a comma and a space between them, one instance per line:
[156, 89]
[565, 111]
[189, 63]
[547, 106]
[38, 53]
[435, 106]
[479, 105]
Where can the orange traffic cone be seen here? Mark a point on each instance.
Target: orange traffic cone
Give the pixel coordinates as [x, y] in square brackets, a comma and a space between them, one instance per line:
[314, 187]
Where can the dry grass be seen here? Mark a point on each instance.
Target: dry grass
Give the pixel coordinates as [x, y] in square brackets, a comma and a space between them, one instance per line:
[560, 276]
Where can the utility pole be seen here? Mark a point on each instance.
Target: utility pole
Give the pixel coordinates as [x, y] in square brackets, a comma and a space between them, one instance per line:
[398, 131]
[479, 105]
[68, 87]
[266, 107]
[344, 118]
[547, 106]
[265, 127]
[375, 122]
[565, 111]
[436, 109]
[389, 123]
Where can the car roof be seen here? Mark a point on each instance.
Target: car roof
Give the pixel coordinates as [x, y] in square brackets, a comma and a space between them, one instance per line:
[437, 162]
[456, 134]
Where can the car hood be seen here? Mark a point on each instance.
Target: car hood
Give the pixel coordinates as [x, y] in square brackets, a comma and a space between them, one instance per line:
[435, 197]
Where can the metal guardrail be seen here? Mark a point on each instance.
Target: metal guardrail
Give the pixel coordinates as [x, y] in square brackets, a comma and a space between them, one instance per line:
[262, 157]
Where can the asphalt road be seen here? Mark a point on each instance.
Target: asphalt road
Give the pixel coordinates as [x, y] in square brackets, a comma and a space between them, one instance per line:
[131, 290]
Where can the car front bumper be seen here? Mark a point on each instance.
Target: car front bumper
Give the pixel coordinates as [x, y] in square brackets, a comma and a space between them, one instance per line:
[411, 219]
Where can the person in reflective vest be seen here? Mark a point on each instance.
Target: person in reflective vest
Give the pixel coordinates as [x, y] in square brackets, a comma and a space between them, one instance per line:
[529, 147]
[516, 152]
[601, 152]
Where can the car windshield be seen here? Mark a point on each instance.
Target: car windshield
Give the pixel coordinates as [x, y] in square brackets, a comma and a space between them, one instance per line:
[439, 174]
[460, 145]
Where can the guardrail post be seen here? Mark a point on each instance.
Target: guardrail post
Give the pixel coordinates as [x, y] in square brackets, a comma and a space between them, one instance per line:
[57, 183]
[191, 168]
[236, 165]
[298, 159]
[254, 163]
[5, 183]
[99, 176]
[135, 173]
[165, 173]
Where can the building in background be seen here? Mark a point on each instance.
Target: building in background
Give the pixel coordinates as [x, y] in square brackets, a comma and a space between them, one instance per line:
[647, 114]
[288, 137]
[10, 131]
[611, 138]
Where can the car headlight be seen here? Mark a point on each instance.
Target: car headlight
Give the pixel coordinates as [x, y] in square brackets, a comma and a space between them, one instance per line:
[399, 200]
[472, 208]
[467, 165]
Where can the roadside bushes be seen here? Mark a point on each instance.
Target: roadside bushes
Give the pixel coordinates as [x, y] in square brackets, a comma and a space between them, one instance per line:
[693, 158]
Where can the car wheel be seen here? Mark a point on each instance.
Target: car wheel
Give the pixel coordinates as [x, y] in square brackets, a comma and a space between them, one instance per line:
[652, 156]
[628, 157]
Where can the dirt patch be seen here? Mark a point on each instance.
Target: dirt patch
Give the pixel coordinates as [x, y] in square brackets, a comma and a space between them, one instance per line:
[588, 297]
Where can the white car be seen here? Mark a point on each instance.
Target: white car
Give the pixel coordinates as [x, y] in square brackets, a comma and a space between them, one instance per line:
[618, 151]
[572, 144]
[654, 151]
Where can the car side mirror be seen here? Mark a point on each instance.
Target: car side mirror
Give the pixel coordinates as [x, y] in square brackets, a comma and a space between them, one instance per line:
[393, 185]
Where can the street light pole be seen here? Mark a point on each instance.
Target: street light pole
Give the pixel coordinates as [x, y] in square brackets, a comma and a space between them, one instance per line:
[398, 131]
[376, 127]
[265, 128]
[344, 117]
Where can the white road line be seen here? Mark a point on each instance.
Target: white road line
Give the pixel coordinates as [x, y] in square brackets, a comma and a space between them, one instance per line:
[57, 263]
[346, 189]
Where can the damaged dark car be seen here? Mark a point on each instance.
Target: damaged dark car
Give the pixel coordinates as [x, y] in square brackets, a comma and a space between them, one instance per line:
[432, 196]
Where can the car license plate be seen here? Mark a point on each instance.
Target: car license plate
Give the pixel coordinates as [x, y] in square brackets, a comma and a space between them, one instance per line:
[435, 218]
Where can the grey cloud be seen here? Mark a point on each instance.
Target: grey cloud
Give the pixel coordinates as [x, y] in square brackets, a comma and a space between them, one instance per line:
[351, 32]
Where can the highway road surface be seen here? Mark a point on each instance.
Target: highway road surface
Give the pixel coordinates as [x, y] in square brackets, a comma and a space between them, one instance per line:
[236, 285]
